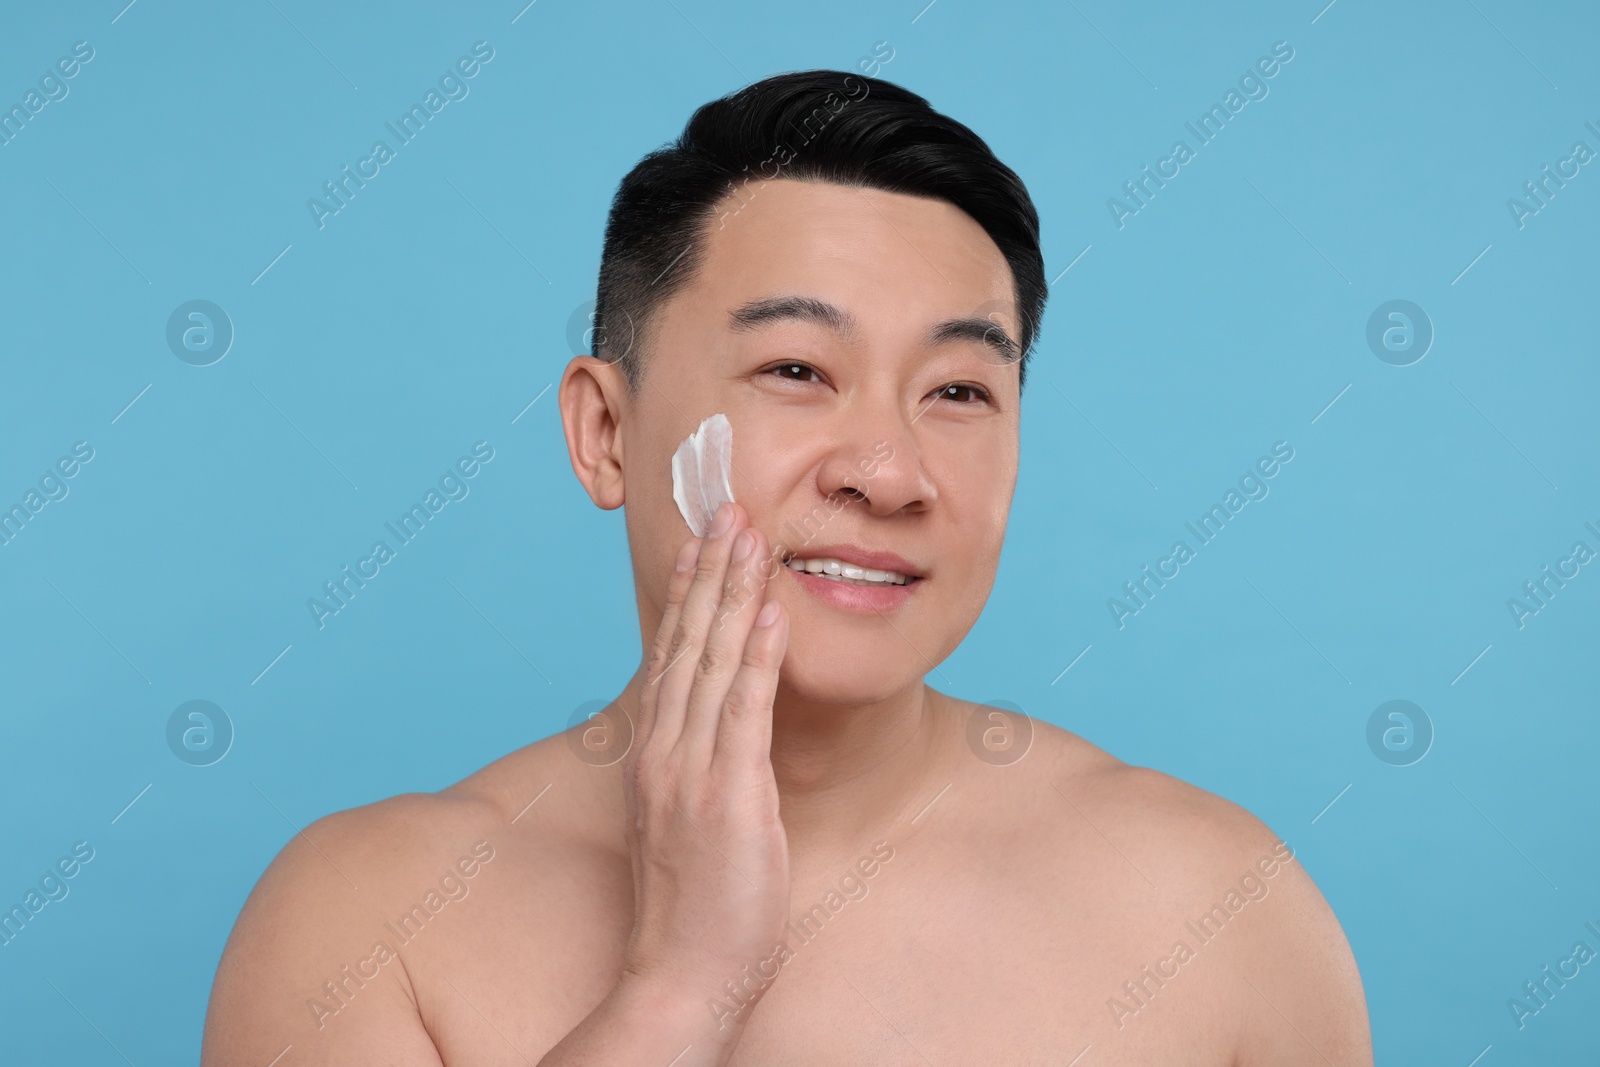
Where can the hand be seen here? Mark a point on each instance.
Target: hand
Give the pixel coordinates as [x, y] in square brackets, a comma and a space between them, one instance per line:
[710, 856]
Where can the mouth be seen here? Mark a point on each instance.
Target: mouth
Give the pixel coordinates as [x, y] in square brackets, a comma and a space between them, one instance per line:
[855, 579]
[840, 571]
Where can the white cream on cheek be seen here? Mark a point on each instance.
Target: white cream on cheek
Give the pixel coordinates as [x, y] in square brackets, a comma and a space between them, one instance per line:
[700, 469]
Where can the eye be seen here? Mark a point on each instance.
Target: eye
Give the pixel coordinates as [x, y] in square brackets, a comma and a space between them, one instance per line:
[795, 372]
[961, 393]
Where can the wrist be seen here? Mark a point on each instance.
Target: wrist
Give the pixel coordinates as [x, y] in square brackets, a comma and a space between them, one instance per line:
[718, 1009]
[648, 1019]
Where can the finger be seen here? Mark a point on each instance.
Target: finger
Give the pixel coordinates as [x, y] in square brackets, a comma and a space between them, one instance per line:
[744, 733]
[656, 662]
[743, 594]
[694, 623]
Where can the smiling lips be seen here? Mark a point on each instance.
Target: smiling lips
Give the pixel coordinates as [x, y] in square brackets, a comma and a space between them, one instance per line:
[846, 572]
[855, 579]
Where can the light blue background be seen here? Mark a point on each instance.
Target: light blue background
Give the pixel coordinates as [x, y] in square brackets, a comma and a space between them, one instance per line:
[1223, 317]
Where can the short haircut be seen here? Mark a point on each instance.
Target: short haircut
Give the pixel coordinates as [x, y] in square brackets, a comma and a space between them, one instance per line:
[814, 125]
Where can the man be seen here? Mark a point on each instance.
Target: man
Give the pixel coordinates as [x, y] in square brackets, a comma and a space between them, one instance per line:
[777, 844]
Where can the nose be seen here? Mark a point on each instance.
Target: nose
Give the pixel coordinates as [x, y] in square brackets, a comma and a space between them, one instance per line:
[876, 461]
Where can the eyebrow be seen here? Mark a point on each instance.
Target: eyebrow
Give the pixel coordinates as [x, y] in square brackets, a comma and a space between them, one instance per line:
[758, 313]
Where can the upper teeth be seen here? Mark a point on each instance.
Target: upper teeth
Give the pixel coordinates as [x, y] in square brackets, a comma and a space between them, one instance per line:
[838, 568]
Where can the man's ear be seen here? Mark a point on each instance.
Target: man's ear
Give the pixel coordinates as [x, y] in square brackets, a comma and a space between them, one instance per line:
[593, 398]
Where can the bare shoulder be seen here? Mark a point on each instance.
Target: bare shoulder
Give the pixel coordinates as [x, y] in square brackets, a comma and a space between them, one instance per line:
[1196, 829]
[1244, 899]
[1182, 831]
[318, 958]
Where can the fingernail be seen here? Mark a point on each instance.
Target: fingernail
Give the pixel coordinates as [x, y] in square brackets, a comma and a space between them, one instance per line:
[688, 554]
[744, 545]
[724, 520]
[769, 614]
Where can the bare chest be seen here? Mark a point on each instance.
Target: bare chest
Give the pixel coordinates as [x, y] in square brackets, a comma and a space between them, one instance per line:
[945, 967]
[922, 964]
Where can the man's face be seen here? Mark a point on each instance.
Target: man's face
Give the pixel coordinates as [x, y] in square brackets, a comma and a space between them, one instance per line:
[876, 438]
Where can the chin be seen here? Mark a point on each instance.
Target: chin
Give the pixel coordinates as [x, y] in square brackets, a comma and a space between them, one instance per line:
[837, 669]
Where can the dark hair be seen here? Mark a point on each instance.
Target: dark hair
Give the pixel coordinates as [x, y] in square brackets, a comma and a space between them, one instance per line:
[814, 125]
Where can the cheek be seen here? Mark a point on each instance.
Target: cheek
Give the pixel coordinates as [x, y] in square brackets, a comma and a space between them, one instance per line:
[976, 487]
[771, 479]
[974, 505]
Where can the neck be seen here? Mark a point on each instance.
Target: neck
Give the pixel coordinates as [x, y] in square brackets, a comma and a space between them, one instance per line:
[846, 773]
